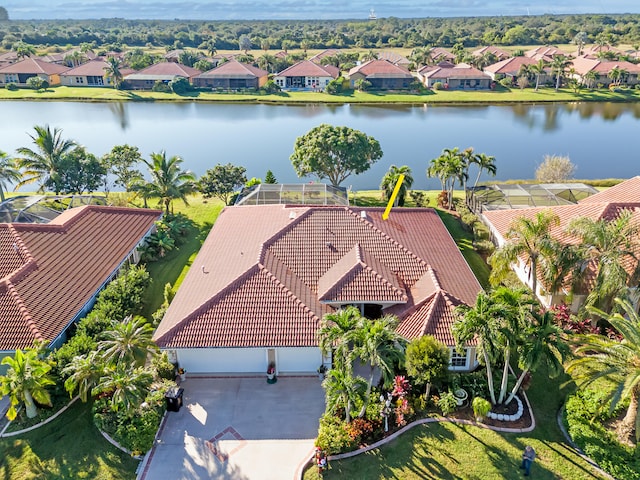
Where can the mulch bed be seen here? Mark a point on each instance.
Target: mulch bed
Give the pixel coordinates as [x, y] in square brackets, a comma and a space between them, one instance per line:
[525, 421]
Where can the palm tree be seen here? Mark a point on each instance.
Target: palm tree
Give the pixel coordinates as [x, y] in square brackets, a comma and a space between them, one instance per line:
[580, 39]
[74, 58]
[370, 55]
[529, 239]
[390, 180]
[24, 50]
[558, 65]
[421, 56]
[128, 343]
[125, 386]
[343, 390]
[26, 380]
[448, 167]
[485, 163]
[267, 62]
[616, 361]
[609, 245]
[617, 74]
[9, 172]
[538, 69]
[112, 70]
[591, 77]
[40, 164]
[542, 345]
[168, 181]
[333, 332]
[84, 373]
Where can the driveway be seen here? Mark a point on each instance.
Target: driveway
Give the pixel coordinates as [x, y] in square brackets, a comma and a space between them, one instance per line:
[238, 428]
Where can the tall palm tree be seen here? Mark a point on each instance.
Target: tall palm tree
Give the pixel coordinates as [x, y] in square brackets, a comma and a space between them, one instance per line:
[580, 39]
[74, 58]
[42, 162]
[609, 245]
[84, 373]
[448, 167]
[125, 386]
[128, 343]
[168, 181]
[24, 50]
[538, 69]
[112, 70]
[617, 74]
[343, 390]
[26, 380]
[485, 163]
[542, 344]
[390, 180]
[370, 55]
[591, 77]
[558, 65]
[617, 361]
[9, 172]
[333, 333]
[527, 239]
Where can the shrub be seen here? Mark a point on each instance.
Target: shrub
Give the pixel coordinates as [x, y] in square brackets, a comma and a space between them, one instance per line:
[12, 86]
[335, 86]
[484, 246]
[474, 382]
[79, 344]
[481, 407]
[270, 87]
[481, 231]
[437, 86]
[506, 82]
[333, 437]
[123, 296]
[163, 367]
[360, 430]
[180, 85]
[447, 403]
[419, 198]
[161, 87]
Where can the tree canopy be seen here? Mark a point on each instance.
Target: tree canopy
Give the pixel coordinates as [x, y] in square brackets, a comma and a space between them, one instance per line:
[334, 153]
[221, 181]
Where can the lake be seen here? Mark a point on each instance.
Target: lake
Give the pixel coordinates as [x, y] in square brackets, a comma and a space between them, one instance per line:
[600, 138]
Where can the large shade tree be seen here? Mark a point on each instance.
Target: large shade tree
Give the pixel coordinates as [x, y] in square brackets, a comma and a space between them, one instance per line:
[41, 162]
[121, 162]
[9, 173]
[221, 181]
[334, 153]
[168, 180]
[427, 361]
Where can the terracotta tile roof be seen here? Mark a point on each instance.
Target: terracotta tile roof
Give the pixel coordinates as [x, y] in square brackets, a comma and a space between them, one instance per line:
[625, 192]
[234, 69]
[55, 268]
[498, 52]
[439, 53]
[381, 69]
[510, 66]
[168, 68]
[94, 68]
[306, 68]
[330, 52]
[8, 57]
[264, 286]
[60, 56]
[583, 65]
[460, 71]
[32, 65]
[393, 57]
[547, 51]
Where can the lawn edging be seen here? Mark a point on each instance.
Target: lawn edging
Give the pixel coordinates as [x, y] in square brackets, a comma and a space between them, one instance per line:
[108, 438]
[33, 427]
[422, 421]
[576, 448]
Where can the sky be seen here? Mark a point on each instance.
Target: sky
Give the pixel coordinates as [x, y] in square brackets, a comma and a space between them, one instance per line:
[301, 9]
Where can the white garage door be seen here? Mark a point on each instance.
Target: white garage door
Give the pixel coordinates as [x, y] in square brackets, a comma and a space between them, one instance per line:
[223, 360]
[300, 359]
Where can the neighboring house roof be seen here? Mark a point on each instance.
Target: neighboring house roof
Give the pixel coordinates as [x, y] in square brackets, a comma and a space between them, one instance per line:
[306, 68]
[439, 54]
[34, 66]
[48, 272]
[546, 52]
[271, 284]
[8, 57]
[583, 65]
[510, 66]
[60, 56]
[330, 52]
[448, 71]
[594, 50]
[393, 57]
[380, 69]
[234, 69]
[93, 68]
[163, 71]
[624, 192]
[498, 52]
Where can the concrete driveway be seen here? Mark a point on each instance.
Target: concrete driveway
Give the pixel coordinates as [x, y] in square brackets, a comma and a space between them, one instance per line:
[238, 428]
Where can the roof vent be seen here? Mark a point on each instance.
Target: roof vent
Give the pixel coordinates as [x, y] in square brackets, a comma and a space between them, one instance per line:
[363, 214]
[292, 215]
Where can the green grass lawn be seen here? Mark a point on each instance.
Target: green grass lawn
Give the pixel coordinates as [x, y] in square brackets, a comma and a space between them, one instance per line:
[105, 94]
[70, 448]
[448, 451]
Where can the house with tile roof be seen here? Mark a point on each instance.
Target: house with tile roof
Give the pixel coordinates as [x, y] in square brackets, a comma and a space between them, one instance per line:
[382, 74]
[90, 74]
[20, 72]
[8, 58]
[455, 77]
[546, 53]
[394, 58]
[256, 295]
[596, 51]
[498, 52]
[232, 75]
[306, 75]
[511, 67]
[329, 52]
[164, 72]
[439, 54]
[50, 274]
[608, 205]
[67, 59]
[583, 65]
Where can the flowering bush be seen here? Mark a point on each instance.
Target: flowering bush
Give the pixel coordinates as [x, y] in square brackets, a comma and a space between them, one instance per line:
[402, 410]
[401, 386]
[360, 429]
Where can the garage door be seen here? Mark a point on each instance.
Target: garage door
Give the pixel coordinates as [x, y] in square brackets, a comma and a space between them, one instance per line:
[223, 360]
[303, 360]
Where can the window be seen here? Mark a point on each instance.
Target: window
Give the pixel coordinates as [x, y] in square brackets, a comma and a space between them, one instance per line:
[458, 360]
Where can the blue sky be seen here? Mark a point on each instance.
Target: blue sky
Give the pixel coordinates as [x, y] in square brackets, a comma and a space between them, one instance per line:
[302, 9]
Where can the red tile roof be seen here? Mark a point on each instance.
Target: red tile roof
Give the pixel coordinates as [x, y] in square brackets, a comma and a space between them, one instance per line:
[545, 52]
[330, 52]
[393, 57]
[510, 66]
[94, 68]
[32, 65]
[625, 192]
[234, 69]
[582, 65]
[498, 52]
[380, 69]
[306, 68]
[460, 71]
[50, 271]
[169, 68]
[270, 285]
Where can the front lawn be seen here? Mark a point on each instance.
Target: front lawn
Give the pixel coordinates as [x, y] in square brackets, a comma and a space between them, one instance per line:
[70, 447]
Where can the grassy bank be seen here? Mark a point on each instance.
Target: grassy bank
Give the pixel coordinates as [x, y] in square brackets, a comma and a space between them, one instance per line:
[104, 94]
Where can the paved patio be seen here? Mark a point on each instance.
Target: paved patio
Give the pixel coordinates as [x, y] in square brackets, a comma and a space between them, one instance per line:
[238, 428]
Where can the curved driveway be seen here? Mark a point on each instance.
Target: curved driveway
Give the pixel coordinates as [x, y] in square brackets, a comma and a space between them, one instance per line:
[238, 428]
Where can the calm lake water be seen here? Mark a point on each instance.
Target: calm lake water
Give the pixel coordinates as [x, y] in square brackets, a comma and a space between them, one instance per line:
[600, 138]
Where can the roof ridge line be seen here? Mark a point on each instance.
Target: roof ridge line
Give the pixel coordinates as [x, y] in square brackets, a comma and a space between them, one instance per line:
[286, 289]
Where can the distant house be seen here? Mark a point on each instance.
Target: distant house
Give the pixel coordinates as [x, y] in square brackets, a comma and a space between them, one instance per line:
[163, 72]
[330, 52]
[511, 67]
[382, 74]
[50, 274]
[23, 70]
[68, 57]
[8, 58]
[90, 74]
[263, 300]
[232, 75]
[394, 58]
[439, 54]
[306, 75]
[498, 52]
[546, 53]
[595, 51]
[455, 77]
[220, 58]
[583, 65]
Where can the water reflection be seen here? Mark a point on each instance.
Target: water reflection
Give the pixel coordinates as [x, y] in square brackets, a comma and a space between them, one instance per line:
[119, 110]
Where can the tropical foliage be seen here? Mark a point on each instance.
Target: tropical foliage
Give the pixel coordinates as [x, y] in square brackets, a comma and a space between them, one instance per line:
[390, 180]
[168, 181]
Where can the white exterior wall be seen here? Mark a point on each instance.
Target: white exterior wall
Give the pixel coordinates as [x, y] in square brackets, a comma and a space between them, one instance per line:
[302, 359]
[471, 360]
